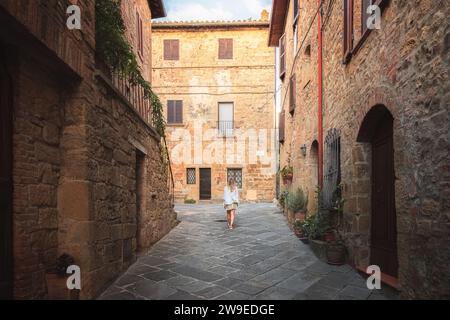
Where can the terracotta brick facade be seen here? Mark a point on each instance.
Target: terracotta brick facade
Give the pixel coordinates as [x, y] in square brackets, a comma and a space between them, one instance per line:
[401, 69]
[202, 81]
[77, 146]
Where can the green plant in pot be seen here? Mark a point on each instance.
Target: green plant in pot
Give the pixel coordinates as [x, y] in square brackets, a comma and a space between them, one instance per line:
[298, 229]
[56, 279]
[282, 199]
[287, 173]
[297, 203]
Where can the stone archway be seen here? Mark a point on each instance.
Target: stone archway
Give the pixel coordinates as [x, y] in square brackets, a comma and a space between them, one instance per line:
[376, 130]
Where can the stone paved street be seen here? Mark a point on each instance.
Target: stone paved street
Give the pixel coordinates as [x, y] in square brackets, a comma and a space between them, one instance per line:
[260, 259]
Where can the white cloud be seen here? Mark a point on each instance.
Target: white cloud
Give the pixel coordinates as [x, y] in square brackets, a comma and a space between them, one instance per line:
[216, 10]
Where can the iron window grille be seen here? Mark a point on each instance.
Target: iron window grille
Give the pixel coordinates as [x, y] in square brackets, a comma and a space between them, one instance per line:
[236, 174]
[332, 174]
[190, 175]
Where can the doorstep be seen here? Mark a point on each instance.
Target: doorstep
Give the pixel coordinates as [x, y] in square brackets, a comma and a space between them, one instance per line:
[385, 278]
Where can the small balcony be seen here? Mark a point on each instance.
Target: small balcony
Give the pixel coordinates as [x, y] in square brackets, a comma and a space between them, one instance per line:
[225, 128]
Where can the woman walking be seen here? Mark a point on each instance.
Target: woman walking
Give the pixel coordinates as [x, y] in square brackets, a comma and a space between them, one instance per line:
[230, 201]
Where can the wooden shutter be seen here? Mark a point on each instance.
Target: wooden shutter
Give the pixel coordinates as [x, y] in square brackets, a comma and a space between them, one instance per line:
[170, 111]
[171, 49]
[282, 56]
[179, 111]
[281, 127]
[348, 29]
[292, 94]
[364, 15]
[225, 48]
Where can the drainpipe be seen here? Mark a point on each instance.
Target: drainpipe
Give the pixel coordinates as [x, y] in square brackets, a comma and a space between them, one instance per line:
[320, 93]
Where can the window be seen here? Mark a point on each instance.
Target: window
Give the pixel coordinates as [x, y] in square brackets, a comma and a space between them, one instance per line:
[332, 174]
[174, 111]
[292, 94]
[364, 15]
[171, 49]
[281, 127]
[226, 119]
[348, 29]
[139, 34]
[190, 175]
[235, 174]
[295, 26]
[225, 48]
[282, 56]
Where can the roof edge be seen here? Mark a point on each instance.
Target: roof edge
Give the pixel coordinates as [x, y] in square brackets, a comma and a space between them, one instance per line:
[277, 21]
[157, 8]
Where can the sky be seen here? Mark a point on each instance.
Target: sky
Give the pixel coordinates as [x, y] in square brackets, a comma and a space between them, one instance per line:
[182, 10]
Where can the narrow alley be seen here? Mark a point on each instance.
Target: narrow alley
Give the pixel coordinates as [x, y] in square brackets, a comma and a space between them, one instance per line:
[260, 259]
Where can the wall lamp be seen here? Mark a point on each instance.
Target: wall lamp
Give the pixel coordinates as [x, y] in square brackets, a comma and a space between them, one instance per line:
[303, 149]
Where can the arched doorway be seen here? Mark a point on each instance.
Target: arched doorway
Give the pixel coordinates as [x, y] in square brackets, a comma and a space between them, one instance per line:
[5, 180]
[314, 177]
[377, 129]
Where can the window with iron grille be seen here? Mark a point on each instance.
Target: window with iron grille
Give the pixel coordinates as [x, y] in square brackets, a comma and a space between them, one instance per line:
[332, 173]
[190, 175]
[236, 174]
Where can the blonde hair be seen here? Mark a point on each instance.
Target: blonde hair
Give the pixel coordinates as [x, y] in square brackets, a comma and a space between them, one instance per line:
[231, 183]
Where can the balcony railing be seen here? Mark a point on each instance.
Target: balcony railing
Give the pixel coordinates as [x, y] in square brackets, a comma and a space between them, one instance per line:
[225, 128]
[135, 96]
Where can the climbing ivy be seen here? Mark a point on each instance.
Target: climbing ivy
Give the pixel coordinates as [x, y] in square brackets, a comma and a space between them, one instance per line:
[115, 51]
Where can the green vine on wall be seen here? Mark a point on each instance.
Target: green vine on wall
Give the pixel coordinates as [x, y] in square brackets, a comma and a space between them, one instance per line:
[115, 51]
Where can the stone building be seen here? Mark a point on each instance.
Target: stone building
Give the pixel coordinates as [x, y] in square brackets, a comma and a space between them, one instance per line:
[216, 79]
[82, 171]
[370, 107]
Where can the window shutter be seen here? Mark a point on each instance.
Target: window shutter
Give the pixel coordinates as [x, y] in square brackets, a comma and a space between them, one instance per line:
[281, 127]
[170, 112]
[292, 94]
[179, 111]
[171, 49]
[348, 29]
[282, 56]
[364, 15]
[225, 48]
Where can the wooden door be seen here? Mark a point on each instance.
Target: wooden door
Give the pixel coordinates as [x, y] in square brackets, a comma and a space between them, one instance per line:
[384, 223]
[5, 181]
[205, 184]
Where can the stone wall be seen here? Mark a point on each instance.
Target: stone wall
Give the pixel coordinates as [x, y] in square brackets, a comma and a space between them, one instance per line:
[201, 81]
[76, 140]
[404, 67]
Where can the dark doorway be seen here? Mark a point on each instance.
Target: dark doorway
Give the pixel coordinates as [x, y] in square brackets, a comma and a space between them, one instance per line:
[384, 222]
[6, 103]
[140, 182]
[377, 128]
[205, 183]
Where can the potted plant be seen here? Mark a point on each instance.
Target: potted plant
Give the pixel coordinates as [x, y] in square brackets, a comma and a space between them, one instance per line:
[56, 279]
[336, 252]
[297, 203]
[287, 173]
[298, 229]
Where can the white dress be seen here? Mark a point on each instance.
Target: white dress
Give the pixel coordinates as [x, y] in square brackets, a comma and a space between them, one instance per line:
[230, 198]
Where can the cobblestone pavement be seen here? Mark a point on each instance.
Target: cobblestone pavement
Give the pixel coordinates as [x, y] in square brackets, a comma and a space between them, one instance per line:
[260, 259]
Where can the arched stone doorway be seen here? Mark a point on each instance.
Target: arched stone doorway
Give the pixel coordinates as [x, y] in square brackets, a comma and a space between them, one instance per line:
[377, 130]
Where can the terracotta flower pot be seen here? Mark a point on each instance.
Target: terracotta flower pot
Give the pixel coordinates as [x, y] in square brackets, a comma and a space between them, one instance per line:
[301, 215]
[329, 237]
[335, 254]
[288, 178]
[298, 233]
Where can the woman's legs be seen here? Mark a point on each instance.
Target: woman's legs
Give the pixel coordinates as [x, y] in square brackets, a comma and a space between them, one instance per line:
[228, 217]
[232, 212]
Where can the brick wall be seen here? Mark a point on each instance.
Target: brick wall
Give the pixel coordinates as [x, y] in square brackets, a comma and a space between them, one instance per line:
[75, 144]
[404, 66]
